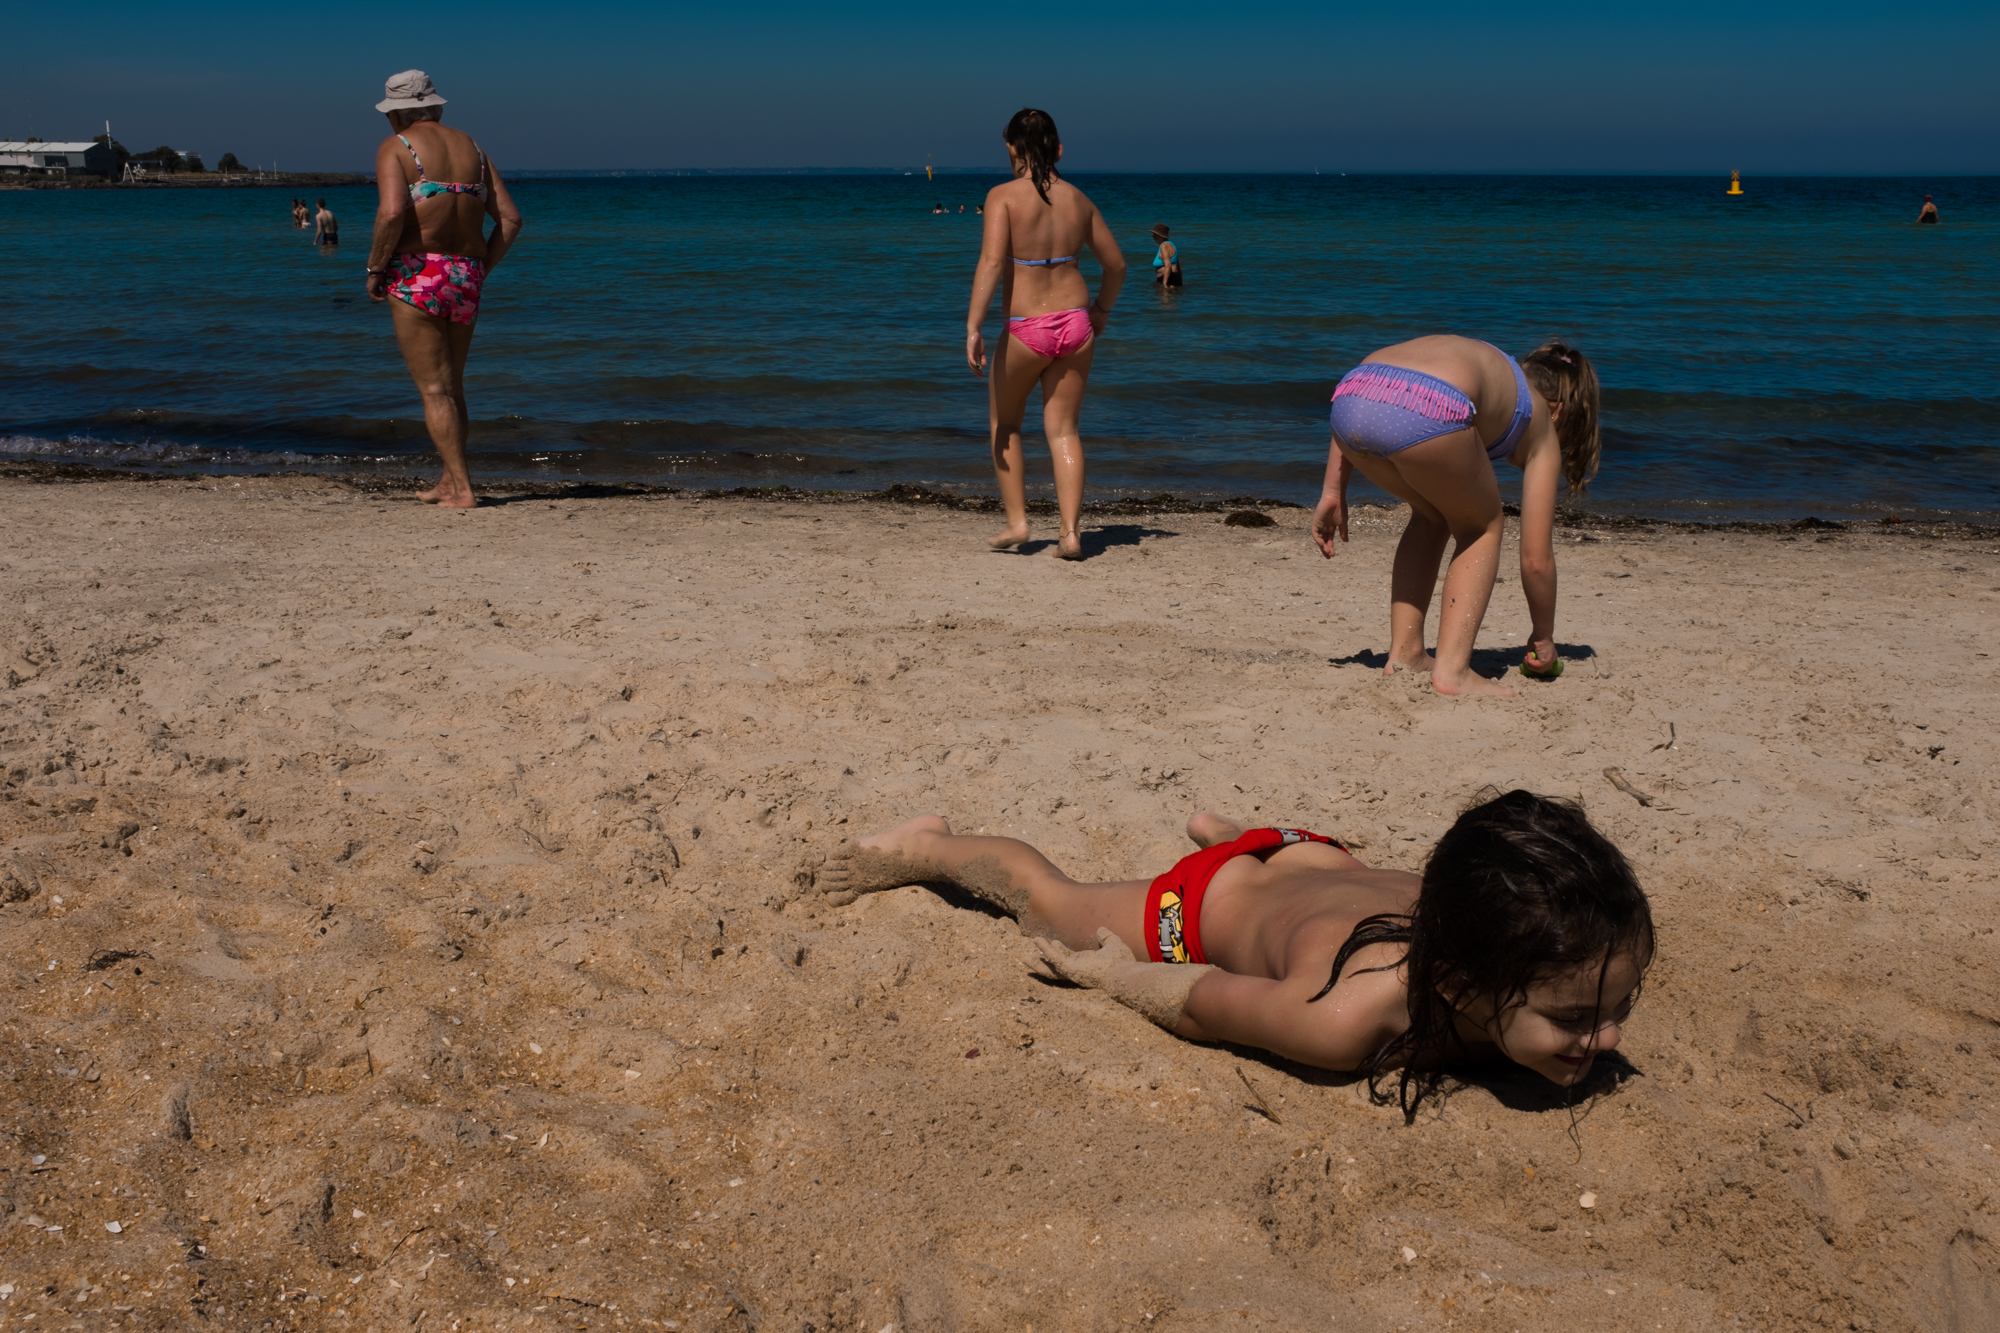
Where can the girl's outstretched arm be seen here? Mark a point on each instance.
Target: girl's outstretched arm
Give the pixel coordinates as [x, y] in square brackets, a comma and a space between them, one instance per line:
[1538, 550]
[1330, 515]
[986, 279]
[1338, 1032]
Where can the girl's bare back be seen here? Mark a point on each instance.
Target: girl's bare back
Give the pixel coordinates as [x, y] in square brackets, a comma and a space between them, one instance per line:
[1034, 230]
[1288, 914]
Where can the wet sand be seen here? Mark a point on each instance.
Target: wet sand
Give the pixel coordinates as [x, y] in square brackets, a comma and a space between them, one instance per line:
[404, 924]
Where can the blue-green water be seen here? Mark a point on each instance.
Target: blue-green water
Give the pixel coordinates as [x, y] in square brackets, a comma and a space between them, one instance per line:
[1805, 348]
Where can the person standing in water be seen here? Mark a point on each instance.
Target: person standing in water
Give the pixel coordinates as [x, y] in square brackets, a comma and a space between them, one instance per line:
[1928, 214]
[432, 256]
[1167, 260]
[1428, 421]
[327, 227]
[1038, 226]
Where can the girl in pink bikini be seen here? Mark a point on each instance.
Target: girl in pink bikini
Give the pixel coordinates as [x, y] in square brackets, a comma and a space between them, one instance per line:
[431, 254]
[1036, 227]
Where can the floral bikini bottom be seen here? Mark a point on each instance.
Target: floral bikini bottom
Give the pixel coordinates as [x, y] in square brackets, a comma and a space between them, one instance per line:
[442, 285]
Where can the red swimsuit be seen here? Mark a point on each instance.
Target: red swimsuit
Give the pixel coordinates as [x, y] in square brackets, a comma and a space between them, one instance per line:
[1173, 904]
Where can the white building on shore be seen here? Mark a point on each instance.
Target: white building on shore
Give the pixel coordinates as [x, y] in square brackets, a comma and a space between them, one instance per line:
[23, 156]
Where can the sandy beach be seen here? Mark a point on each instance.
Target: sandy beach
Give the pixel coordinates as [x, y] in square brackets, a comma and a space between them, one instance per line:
[407, 920]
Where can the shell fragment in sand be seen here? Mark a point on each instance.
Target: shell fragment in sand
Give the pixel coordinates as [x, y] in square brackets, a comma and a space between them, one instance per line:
[1409, 1255]
[535, 1047]
[1587, 1200]
[113, 1227]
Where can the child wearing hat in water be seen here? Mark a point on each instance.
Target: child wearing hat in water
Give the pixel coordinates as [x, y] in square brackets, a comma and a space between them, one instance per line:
[1525, 937]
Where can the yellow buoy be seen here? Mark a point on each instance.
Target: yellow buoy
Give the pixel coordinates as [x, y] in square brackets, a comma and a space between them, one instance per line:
[1735, 183]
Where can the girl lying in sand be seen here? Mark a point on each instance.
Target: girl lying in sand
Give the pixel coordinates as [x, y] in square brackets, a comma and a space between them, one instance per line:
[1526, 936]
[1428, 421]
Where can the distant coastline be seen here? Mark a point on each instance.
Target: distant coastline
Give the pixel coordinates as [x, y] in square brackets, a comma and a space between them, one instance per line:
[198, 180]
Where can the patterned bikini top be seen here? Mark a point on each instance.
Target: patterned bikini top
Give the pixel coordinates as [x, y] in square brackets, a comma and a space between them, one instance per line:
[424, 189]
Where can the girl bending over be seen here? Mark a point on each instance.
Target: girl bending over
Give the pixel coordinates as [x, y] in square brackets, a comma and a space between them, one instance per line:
[1037, 226]
[1526, 936]
[1427, 421]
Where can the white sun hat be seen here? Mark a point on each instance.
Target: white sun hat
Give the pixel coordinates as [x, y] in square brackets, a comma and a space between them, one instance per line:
[409, 89]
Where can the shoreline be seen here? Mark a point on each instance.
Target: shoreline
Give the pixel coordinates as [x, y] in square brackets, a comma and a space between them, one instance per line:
[916, 495]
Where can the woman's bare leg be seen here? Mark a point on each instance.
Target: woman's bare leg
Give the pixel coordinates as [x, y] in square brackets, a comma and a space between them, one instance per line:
[1006, 872]
[1013, 375]
[1063, 384]
[435, 349]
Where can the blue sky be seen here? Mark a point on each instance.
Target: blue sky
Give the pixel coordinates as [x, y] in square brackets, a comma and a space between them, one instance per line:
[1694, 87]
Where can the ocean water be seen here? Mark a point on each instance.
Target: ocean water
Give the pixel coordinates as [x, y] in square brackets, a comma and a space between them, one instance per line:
[1804, 348]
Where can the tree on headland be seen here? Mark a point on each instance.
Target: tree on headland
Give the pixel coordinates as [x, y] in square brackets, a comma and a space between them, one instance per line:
[192, 162]
[124, 155]
[228, 162]
[162, 158]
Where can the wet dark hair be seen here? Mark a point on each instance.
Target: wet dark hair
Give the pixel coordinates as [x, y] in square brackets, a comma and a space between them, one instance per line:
[1563, 374]
[1521, 889]
[1032, 134]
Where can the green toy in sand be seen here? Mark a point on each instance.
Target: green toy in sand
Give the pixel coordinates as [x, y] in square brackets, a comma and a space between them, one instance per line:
[1555, 668]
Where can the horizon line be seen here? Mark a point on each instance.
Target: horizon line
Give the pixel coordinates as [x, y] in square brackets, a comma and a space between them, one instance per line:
[1594, 173]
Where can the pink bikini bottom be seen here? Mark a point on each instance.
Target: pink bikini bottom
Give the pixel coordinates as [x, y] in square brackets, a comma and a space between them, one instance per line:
[1052, 335]
[443, 285]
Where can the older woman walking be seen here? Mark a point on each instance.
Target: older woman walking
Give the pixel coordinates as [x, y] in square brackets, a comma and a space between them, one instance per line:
[431, 254]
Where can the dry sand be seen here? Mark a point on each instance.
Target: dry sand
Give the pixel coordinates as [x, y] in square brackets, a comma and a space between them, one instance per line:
[403, 926]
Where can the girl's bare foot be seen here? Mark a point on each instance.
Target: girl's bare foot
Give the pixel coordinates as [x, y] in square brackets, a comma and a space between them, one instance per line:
[1206, 830]
[878, 861]
[1009, 537]
[1470, 683]
[1417, 661]
[1069, 547]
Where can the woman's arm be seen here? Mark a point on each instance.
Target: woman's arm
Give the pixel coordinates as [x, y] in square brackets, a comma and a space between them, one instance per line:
[1539, 477]
[988, 278]
[1330, 515]
[499, 207]
[1105, 246]
[392, 209]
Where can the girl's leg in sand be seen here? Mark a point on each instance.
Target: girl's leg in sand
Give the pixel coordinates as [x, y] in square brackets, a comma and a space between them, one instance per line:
[1453, 493]
[1013, 375]
[1006, 872]
[1414, 576]
[435, 349]
[1063, 384]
